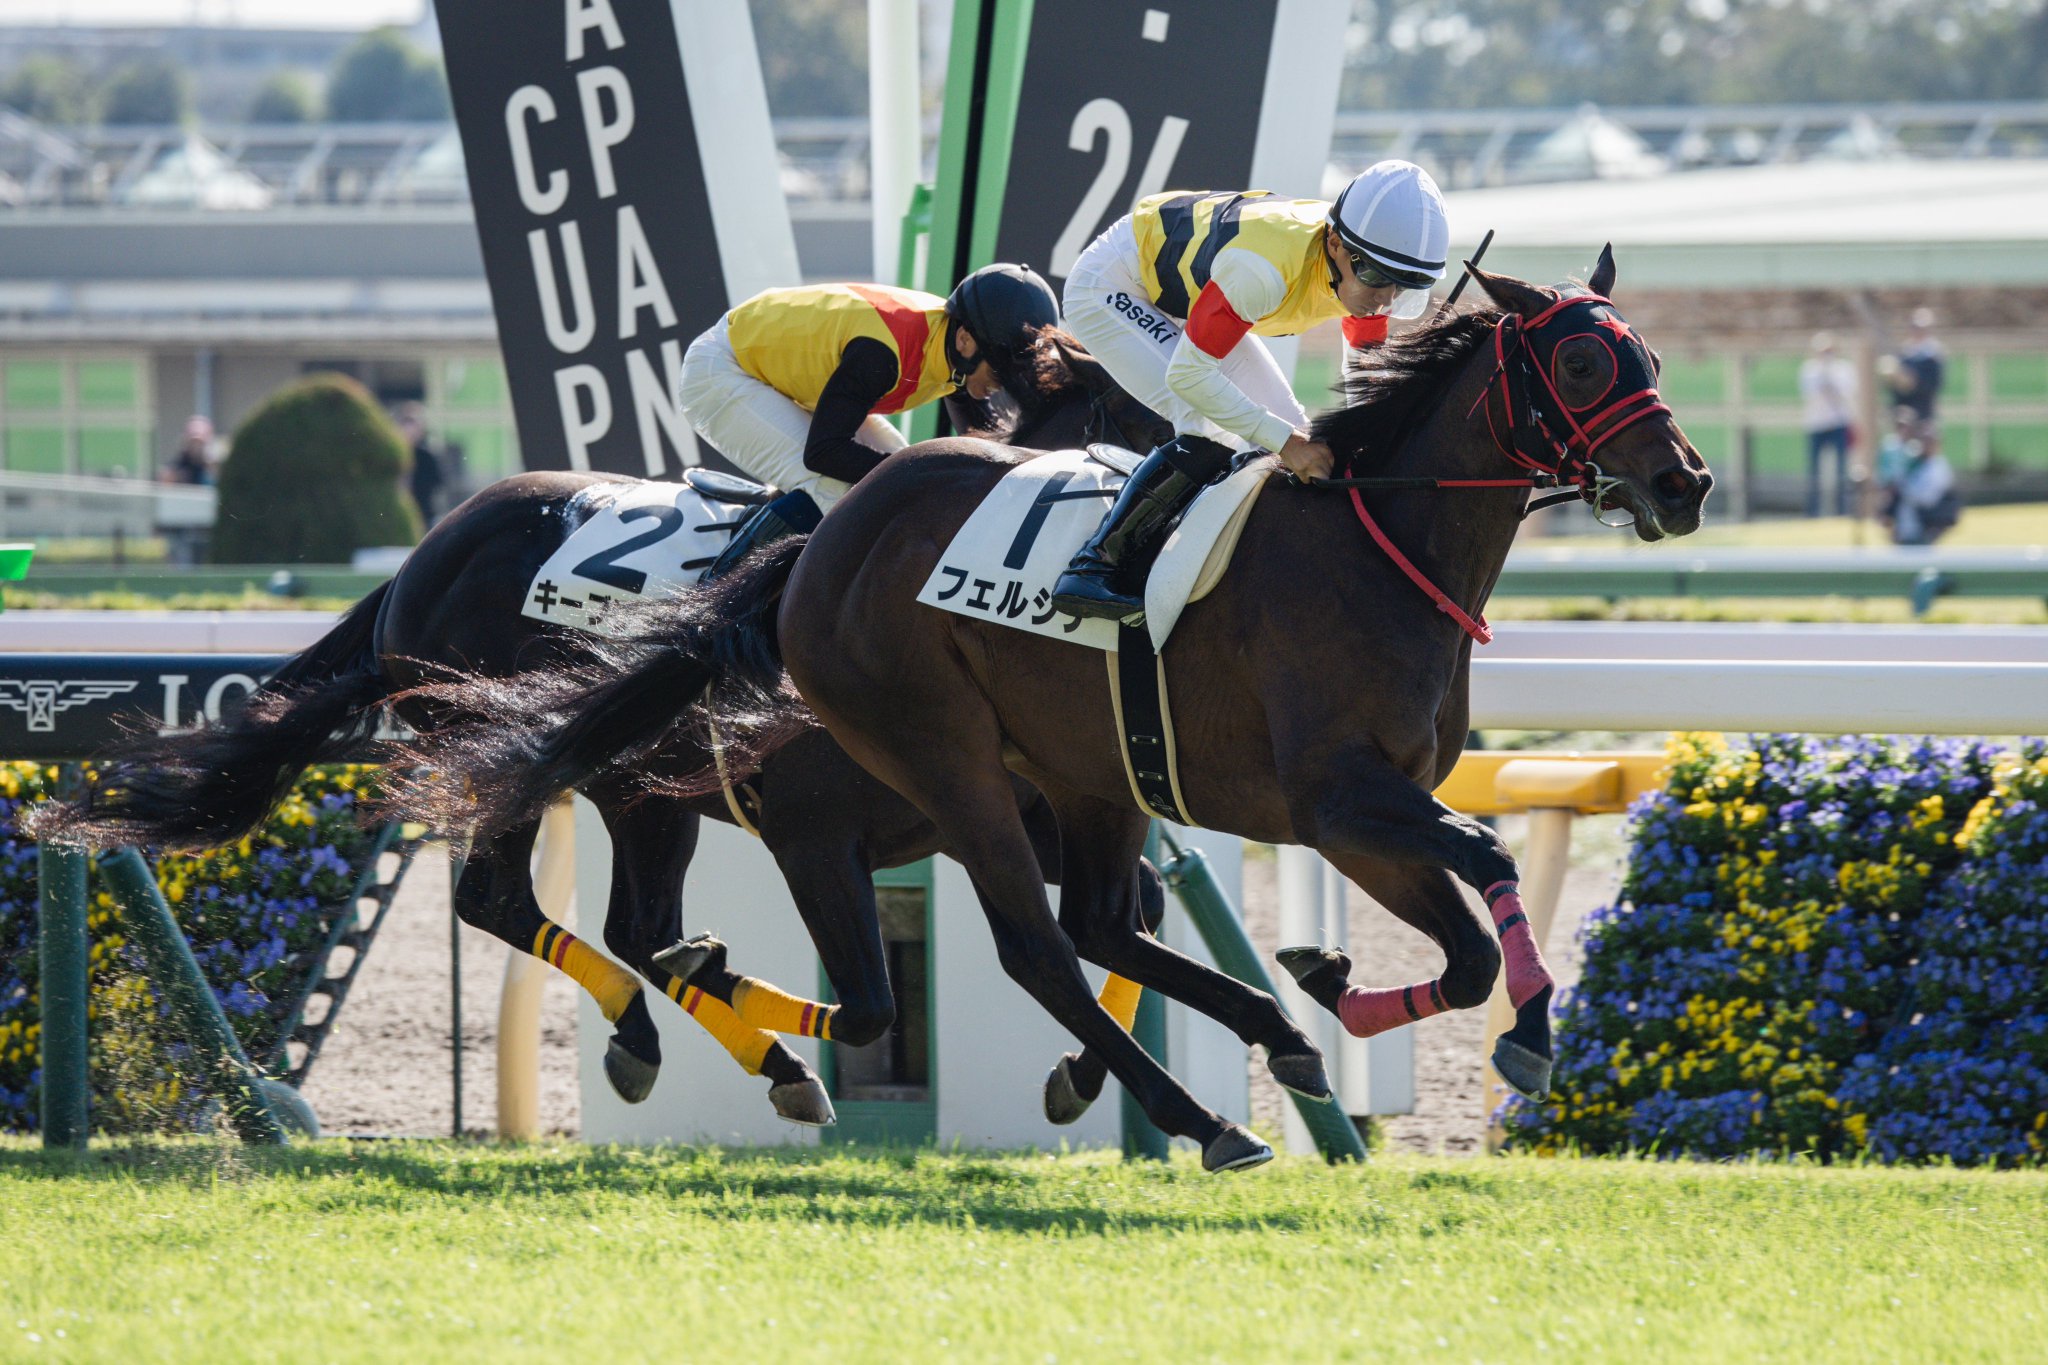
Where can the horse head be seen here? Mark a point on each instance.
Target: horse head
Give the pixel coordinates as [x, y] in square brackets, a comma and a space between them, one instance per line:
[1112, 414]
[1575, 393]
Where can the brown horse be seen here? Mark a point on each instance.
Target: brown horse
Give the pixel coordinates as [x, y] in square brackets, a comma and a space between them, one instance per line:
[1319, 693]
[456, 602]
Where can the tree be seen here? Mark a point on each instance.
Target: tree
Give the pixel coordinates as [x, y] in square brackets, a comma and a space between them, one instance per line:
[284, 98]
[313, 476]
[151, 91]
[382, 77]
[49, 89]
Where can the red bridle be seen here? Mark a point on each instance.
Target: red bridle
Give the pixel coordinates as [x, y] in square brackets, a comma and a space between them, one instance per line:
[1530, 440]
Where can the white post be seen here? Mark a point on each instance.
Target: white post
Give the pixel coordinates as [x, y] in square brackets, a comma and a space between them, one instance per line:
[895, 145]
[1303, 919]
[1543, 866]
[554, 879]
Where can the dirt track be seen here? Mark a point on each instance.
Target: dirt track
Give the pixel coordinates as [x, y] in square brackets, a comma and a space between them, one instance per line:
[386, 1067]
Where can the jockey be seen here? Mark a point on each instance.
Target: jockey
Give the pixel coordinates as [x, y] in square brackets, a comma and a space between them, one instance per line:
[1165, 299]
[792, 385]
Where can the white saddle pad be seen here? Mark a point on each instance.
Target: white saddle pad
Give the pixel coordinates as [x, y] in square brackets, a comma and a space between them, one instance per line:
[636, 540]
[1002, 564]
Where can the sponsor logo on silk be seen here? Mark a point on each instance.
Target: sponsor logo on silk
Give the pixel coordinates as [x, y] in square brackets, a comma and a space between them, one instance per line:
[1160, 328]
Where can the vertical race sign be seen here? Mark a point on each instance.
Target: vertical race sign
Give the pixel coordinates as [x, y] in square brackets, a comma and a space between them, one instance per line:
[624, 188]
[1062, 114]
[1154, 96]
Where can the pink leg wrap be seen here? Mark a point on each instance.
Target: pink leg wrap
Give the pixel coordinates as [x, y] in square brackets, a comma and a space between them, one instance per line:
[1526, 973]
[1365, 1012]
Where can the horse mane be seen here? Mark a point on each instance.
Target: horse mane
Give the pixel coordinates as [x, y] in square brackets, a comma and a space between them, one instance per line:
[1053, 385]
[1402, 381]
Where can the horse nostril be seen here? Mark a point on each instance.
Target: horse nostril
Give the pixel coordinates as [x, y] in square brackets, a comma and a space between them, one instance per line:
[1676, 485]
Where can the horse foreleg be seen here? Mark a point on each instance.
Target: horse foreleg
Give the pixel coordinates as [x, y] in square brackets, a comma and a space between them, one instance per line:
[956, 777]
[495, 894]
[1381, 826]
[653, 841]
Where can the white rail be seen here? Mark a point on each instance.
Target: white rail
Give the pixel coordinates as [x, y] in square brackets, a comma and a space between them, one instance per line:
[1806, 697]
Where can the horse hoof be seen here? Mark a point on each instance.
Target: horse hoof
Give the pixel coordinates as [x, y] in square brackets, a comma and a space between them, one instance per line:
[1235, 1149]
[684, 960]
[632, 1079]
[1302, 1073]
[1064, 1103]
[1527, 1073]
[1314, 967]
[803, 1102]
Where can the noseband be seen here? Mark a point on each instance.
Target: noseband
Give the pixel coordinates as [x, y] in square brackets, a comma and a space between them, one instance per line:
[1525, 411]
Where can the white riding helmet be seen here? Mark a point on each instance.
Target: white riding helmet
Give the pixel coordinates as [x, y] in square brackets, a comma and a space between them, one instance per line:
[1391, 217]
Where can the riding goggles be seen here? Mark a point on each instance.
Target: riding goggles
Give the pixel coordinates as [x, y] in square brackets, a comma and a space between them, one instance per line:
[1373, 275]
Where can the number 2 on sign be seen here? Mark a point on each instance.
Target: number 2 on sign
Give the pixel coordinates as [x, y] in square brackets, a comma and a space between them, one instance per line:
[1108, 117]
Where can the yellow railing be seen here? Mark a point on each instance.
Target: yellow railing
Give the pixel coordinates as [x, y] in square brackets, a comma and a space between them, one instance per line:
[1551, 789]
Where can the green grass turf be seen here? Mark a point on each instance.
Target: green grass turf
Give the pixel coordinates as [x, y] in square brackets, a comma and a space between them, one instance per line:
[433, 1251]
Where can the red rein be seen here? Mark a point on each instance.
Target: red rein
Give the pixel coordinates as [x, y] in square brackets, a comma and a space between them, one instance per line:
[1575, 450]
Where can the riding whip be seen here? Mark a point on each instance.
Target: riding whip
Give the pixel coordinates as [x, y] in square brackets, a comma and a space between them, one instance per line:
[1464, 277]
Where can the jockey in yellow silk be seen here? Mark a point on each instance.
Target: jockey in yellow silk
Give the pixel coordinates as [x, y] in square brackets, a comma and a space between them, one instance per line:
[793, 385]
[1173, 300]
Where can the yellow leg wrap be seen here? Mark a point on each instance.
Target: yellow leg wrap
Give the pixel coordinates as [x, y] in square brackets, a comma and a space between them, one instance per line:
[612, 986]
[747, 1045]
[1120, 998]
[771, 1007]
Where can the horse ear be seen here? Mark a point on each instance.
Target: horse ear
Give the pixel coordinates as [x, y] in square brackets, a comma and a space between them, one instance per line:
[1086, 369]
[1517, 296]
[1601, 281]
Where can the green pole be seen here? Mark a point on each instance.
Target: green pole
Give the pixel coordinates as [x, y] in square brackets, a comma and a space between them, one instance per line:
[1187, 874]
[174, 970]
[1143, 1138]
[14, 560]
[984, 72]
[64, 952]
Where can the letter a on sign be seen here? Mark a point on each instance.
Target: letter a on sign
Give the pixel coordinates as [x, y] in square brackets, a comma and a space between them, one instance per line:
[618, 220]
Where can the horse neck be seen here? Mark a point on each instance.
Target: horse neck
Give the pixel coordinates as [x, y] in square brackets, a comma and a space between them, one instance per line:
[1457, 537]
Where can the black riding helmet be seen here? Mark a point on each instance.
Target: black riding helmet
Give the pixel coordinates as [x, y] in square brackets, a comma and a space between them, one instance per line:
[1002, 307]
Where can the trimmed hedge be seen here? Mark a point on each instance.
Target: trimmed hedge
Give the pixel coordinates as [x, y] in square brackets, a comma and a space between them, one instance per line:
[255, 914]
[1836, 947]
[313, 476]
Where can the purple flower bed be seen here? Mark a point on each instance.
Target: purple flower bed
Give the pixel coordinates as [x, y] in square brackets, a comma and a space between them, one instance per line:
[256, 915]
[1824, 946]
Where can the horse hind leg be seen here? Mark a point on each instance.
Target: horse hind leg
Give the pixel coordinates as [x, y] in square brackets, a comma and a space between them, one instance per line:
[653, 841]
[495, 894]
[961, 784]
[1076, 1079]
[700, 962]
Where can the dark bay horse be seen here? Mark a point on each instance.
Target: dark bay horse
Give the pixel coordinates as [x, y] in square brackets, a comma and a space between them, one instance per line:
[455, 603]
[1320, 693]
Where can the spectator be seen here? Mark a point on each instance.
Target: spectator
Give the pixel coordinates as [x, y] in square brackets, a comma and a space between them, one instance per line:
[196, 455]
[1915, 375]
[1827, 388]
[1922, 502]
[427, 478]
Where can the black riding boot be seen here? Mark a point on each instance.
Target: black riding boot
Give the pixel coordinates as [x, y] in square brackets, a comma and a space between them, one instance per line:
[1107, 578]
[792, 514]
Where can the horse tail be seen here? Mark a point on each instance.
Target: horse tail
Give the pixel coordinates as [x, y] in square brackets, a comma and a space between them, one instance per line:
[520, 741]
[204, 788]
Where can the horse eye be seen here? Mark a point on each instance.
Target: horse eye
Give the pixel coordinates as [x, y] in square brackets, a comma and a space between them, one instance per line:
[1578, 366]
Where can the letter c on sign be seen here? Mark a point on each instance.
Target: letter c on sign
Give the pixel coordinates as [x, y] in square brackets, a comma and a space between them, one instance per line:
[531, 99]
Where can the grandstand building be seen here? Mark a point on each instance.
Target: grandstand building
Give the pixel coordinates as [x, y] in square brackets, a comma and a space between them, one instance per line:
[148, 274]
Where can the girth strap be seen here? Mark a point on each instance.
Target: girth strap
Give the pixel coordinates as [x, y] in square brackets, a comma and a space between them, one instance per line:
[1144, 724]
